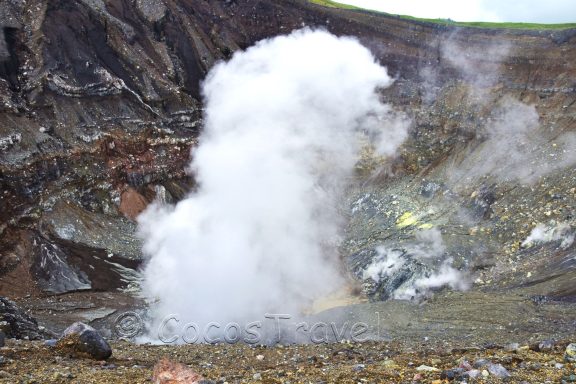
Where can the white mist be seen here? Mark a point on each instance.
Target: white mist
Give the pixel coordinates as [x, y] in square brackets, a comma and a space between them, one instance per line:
[283, 122]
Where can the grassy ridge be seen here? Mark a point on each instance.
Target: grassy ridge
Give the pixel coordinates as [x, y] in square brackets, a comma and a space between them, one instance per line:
[478, 24]
[333, 4]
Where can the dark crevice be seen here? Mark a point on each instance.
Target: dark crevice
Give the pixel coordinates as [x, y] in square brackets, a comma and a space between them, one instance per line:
[9, 63]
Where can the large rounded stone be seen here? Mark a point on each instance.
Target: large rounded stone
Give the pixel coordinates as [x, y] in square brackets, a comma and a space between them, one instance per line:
[81, 340]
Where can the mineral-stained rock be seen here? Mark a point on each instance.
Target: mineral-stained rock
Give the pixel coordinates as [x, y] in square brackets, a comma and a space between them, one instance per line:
[132, 203]
[169, 372]
[81, 340]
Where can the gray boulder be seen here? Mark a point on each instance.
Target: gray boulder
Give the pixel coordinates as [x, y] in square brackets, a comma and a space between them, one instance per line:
[81, 340]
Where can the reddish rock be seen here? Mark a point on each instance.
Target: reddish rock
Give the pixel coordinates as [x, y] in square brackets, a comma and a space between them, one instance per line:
[132, 203]
[169, 372]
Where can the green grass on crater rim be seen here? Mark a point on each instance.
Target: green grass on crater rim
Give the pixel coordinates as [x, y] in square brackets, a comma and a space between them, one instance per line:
[478, 24]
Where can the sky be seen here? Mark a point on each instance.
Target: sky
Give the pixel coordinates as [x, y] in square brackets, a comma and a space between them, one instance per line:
[529, 11]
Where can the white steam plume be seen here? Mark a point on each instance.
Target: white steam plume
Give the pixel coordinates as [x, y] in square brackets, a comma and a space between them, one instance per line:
[283, 123]
[386, 263]
[515, 149]
[515, 146]
[479, 65]
[548, 233]
[429, 249]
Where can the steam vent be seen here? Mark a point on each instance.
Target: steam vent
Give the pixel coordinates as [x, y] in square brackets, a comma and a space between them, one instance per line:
[284, 191]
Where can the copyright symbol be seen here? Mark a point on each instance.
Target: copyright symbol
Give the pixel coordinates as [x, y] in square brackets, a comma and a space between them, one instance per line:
[128, 324]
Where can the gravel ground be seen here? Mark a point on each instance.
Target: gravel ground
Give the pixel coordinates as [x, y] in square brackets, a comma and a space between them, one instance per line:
[345, 362]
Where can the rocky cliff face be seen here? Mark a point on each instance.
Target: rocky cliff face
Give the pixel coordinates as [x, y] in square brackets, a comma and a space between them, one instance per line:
[100, 106]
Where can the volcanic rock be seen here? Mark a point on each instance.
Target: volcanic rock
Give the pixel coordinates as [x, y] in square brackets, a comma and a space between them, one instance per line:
[169, 372]
[15, 323]
[81, 340]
